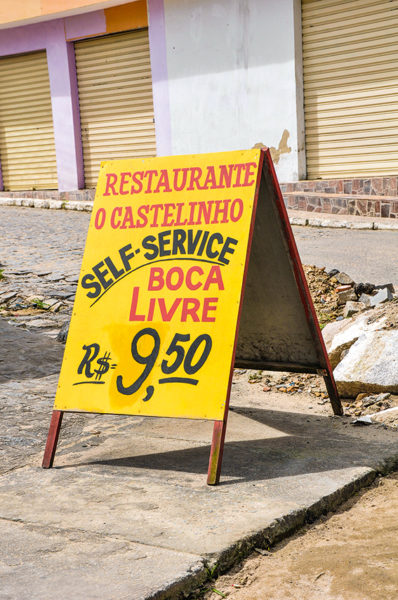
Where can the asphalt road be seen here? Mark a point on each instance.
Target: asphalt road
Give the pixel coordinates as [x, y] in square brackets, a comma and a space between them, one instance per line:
[35, 239]
[365, 255]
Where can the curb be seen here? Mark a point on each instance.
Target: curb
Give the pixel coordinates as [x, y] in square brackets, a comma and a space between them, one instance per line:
[340, 224]
[278, 530]
[302, 221]
[48, 203]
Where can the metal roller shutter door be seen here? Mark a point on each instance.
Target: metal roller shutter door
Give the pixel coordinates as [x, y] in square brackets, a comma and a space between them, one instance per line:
[27, 148]
[350, 62]
[115, 96]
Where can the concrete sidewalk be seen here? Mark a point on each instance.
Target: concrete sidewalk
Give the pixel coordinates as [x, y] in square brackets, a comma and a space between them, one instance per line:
[126, 512]
[311, 219]
[296, 217]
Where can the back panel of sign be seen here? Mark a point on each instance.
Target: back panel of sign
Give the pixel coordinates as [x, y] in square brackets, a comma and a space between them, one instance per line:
[278, 328]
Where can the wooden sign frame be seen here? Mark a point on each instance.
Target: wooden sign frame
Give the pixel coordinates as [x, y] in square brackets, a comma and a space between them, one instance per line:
[309, 353]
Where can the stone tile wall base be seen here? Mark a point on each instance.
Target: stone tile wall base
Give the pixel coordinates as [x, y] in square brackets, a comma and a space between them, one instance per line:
[375, 186]
[352, 205]
[344, 206]
[76, 195]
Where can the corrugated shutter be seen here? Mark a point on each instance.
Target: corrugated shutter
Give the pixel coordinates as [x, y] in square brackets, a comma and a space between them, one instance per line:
[115, 95]
[27, 148]
[350, 60]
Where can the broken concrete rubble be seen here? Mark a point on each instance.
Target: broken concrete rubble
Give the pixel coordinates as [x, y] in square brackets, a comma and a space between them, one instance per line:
[371, 365]
[346, 296]
[382, 296]
[343, 278]
[352, 308]
[341, 335]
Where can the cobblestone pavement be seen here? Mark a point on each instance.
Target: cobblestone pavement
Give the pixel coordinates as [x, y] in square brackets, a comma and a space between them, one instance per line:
[41, 251]
[40, 254]
[126, 513]
[41, 240]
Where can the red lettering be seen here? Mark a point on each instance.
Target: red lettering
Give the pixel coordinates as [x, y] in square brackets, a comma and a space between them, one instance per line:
[178, 222]
[190, 284]
[225, 176]
[239, 168]
[100, 217]
[196, 174]
[163, 182]
[214, 277]
[137, 178]
[128, 221]
[190, 307]
[180, 278]
[208, 305]
[223, 211]
[168, 214]
[134, 301]
[168, 315]
[117, 211]
[151, 310]
[150, 175]
[204, 211]
[178, 187]
[192, 206]
[235, 217]
[123, 182]
[155, 208]
[210, 179]
[143, 217]
[156, 279]
[111, 179]
[249, 173]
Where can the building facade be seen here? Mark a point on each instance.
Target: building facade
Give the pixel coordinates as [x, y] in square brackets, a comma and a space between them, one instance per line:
[83, 81]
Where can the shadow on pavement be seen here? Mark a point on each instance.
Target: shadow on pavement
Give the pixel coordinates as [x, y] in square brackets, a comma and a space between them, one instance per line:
[26, 355]
[307, 444]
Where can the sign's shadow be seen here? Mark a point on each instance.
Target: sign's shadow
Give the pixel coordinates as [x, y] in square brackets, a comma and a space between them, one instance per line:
[307, 444]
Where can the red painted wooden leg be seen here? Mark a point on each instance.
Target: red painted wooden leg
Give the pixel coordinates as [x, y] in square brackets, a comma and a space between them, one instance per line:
[217, 448]
[333, 394]
[52, 439]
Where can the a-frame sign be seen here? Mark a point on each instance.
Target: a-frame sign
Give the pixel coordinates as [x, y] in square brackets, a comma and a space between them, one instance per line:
[190, 268]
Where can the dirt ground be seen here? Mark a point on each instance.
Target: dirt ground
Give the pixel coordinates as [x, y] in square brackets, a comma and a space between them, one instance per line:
[349, 555]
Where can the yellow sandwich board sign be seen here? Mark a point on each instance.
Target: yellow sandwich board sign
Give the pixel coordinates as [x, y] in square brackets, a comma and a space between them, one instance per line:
[155, 321]
[160, 287]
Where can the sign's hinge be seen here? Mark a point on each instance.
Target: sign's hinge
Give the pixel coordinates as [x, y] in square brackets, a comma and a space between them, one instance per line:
[322, 372]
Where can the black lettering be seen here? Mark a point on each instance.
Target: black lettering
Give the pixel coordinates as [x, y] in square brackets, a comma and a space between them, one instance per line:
[179, 238]
[94, 284]
[112, 268]
[164, 240]
[203, 244]
[193, 241]
[147, 244]
[126, 257]
[226, 249]
[209, 250]
[91, 353]
[101, 275]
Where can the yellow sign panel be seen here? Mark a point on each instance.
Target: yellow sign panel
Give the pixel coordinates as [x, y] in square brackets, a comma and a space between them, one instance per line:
[155, 316]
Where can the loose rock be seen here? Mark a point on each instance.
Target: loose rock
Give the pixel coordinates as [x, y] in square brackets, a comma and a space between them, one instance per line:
[371, 365]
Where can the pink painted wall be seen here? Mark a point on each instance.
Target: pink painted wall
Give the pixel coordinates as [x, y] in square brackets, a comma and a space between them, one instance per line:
[52, 37]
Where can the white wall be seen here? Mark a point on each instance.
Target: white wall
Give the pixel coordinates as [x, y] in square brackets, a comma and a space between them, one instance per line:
[232, 77]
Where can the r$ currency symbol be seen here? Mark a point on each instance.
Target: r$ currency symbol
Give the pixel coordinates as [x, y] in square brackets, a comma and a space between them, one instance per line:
[103, 366]
[90, 359]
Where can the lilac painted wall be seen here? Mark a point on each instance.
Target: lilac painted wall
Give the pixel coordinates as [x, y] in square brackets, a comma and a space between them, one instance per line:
[65, 103]
[157, 43]
[92, 23]
[50, 36]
